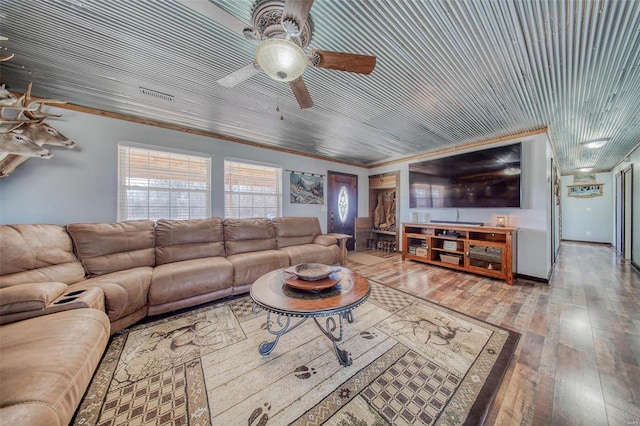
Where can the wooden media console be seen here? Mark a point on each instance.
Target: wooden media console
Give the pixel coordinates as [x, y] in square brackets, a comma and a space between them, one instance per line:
[479, 249]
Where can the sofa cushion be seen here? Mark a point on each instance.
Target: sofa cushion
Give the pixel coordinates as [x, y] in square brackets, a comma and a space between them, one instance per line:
[125, 292]
[291, 231]
[178, 240]
[248, 235]
[181, 280]
[313, 253]
[47, 364]
[248, 267]
[109, 247]
[37, 253]
[325, 240]
[29, 297]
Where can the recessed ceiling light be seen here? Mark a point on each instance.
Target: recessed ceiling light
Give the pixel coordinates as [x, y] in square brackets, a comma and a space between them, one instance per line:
[585, 169]
[595, 144]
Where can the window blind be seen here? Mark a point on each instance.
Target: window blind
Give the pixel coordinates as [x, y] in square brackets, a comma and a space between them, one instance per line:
[155, 184]
[252, 190]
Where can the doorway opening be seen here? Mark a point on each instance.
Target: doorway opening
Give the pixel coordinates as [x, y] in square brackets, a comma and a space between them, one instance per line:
[623, 212]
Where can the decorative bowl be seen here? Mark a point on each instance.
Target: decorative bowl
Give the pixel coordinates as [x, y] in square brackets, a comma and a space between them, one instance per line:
[311, 271]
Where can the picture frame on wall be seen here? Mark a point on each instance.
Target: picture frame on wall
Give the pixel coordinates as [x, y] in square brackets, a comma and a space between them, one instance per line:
[585, 190]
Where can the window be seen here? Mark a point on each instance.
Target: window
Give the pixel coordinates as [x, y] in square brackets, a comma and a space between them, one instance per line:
[162, 184]
[252, 190]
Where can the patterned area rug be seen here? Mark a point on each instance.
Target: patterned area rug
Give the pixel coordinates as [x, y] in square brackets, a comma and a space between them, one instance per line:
[414, 362]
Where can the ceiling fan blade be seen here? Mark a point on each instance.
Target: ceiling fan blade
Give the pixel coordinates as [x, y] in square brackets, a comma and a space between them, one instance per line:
[341, 61]
[298, 10]
[302, 94]
[217, 14]
[240, 75]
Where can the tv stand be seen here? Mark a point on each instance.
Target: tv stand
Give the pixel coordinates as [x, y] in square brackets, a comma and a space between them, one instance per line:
[479, 249]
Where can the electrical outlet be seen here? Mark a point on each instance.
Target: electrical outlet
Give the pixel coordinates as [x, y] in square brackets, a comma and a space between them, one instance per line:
[588, 233]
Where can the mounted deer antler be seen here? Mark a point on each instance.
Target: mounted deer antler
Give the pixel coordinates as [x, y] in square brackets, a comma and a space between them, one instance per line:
[21, 118]
[14, 119]
[25, 108]
[33, 106]
[6, 97]
[5, 56]
[11, 111]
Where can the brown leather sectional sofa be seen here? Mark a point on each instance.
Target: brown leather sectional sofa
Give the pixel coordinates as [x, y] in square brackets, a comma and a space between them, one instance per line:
[65, 289]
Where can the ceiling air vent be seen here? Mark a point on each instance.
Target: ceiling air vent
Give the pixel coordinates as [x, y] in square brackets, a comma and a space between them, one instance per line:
[156, 94]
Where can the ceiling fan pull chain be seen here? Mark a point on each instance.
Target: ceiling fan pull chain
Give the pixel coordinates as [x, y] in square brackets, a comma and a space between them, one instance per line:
[278, 106]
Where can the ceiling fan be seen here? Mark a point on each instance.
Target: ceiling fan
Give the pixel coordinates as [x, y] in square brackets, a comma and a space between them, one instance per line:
[284, 29]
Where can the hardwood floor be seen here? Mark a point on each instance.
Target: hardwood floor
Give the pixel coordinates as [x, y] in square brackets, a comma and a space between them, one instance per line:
[578, 360]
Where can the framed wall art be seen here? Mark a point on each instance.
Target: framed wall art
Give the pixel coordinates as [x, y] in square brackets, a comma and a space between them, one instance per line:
[585, 190]
[306, 188]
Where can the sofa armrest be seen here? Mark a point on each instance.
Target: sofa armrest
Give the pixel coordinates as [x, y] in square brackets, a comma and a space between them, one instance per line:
[325, 240]
[27, 300]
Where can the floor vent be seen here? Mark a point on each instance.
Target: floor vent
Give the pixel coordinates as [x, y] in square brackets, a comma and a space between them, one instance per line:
[156, 94]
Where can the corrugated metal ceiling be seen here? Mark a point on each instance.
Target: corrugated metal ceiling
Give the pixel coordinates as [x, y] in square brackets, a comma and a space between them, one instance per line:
[448, 72]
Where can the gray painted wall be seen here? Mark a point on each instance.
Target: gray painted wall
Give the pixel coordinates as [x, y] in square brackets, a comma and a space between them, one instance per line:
[588, 219]
[80, 185]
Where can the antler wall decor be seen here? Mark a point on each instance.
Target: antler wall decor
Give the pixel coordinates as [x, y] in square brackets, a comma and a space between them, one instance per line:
[22, 130]
[5, 56]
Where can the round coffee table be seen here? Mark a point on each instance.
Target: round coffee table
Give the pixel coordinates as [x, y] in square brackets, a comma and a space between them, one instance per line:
[272, 294]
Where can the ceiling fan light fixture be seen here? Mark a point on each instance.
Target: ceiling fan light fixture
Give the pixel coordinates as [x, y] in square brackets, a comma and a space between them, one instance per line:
[595, 144]
[281, 59]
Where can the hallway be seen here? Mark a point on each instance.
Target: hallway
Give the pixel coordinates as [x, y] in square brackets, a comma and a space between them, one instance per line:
[578, 360]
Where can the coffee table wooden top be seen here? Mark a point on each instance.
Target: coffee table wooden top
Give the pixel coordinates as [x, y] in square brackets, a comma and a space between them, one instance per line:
[273, 294]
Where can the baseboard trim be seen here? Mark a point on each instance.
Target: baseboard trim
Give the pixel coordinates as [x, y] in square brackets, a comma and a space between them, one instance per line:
[530, 278]
[602, 243]
[635, 266]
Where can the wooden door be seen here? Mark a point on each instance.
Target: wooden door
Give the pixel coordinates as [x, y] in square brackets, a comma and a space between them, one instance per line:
[342, 205]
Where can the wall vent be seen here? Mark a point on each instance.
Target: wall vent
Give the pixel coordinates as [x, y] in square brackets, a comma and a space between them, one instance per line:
[156, 94]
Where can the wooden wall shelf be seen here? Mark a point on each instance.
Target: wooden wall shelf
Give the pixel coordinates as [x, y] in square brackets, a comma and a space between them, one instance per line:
[380, 231]
[479, 249]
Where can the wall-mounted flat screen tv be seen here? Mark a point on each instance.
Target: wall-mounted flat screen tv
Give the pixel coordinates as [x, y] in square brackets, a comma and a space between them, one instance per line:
[485, 178]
